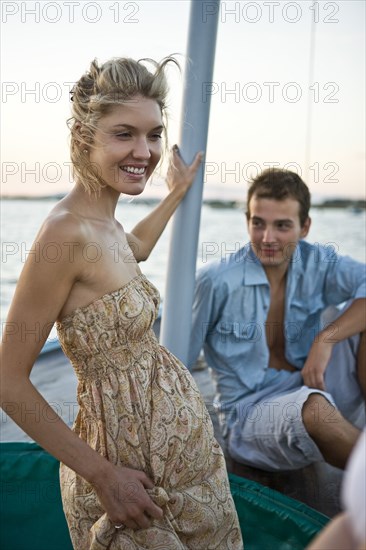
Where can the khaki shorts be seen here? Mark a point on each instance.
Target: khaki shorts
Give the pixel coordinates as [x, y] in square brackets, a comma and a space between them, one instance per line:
[270, 434]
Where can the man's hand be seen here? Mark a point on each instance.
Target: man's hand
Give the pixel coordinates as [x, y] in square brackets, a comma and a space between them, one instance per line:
[316, 363]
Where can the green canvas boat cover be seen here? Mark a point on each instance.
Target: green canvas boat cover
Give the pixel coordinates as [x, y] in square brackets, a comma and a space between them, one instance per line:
[32, 517]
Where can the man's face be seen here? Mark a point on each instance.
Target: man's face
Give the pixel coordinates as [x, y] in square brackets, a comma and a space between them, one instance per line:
[274, 229]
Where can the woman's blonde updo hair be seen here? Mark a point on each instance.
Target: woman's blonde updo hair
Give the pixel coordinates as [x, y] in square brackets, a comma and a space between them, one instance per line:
[95, 95]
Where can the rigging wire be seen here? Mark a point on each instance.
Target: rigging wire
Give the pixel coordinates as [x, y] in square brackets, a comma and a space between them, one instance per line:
[309, 115]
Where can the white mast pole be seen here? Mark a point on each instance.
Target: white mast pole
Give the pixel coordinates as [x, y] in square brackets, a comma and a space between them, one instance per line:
[178, 298]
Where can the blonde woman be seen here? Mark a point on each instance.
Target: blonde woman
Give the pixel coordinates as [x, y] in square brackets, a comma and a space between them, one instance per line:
[141, 468]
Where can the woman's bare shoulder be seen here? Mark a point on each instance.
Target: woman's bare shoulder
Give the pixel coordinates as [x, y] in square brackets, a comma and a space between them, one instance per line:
[64, 225]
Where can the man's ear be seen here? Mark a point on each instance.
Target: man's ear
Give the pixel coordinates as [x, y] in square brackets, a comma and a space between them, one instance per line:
[247, 217]
[305, 228]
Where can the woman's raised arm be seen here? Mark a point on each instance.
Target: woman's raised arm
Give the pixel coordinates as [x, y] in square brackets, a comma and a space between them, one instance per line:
[146, 233]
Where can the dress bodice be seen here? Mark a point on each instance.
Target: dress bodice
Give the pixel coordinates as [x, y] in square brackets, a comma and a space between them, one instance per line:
[107, 332]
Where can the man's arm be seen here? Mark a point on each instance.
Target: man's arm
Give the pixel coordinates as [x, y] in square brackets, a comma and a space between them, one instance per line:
[201, 316]
[352, 321]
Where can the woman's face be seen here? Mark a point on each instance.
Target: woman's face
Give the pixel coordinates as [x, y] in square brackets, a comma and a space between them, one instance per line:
[127, 145]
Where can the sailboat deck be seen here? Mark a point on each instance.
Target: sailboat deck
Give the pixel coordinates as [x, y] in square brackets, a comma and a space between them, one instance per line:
[317, 485]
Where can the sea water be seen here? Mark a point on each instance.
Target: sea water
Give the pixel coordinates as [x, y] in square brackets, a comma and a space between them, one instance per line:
[222, 231]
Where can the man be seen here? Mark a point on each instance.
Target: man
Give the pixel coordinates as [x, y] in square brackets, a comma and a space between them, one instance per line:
[290, 382]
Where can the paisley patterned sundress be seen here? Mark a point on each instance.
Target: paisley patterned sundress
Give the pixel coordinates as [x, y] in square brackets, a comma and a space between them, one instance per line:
[140, 408]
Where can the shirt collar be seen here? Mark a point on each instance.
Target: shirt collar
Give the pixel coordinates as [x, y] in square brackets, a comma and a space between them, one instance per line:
[255, 275]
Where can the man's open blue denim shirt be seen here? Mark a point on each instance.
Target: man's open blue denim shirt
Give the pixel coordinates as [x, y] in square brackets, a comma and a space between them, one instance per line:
[231, 304]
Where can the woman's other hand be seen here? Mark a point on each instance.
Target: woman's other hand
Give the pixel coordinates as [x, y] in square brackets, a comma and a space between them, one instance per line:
[122, 493]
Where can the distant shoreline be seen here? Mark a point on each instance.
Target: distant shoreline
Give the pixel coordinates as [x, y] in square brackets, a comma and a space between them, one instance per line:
[355, 204]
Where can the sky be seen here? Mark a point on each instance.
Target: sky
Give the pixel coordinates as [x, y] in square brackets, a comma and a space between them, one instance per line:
[262, 92]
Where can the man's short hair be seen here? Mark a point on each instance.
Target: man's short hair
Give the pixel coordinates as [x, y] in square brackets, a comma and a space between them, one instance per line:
[279, 185]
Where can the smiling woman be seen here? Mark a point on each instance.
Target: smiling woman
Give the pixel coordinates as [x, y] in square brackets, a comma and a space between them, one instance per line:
[141, 468]
[116, 92]
[127, 145]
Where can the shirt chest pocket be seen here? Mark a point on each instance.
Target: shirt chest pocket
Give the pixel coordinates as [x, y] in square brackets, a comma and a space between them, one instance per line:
[306, 312]
[229, 330]
[242, 318]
